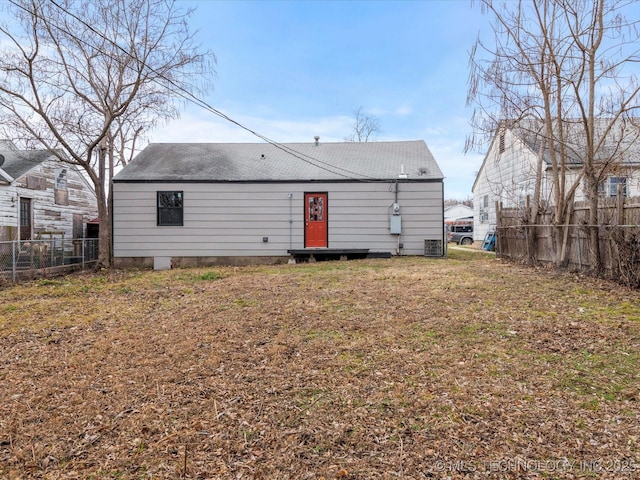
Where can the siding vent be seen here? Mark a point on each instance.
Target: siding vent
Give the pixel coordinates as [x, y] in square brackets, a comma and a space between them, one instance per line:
[501, 147]
[433, 248]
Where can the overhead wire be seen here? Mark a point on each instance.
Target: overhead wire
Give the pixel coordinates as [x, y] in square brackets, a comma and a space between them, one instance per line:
[192, 98]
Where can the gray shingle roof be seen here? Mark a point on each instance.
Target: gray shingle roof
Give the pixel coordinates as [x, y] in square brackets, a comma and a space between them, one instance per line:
[622, 143]
[244, 162]
[18, 162]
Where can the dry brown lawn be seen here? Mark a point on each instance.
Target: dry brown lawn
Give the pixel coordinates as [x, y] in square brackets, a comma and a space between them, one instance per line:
[406, 368]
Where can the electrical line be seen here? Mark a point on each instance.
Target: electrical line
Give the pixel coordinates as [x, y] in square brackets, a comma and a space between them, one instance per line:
[190, 97]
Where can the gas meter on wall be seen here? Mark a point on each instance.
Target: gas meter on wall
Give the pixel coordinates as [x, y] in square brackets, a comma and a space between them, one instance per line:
[395, 222]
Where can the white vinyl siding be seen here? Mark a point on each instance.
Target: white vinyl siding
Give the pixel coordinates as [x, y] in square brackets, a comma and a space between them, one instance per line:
[507, 177]
[500, 180]
[231, 219]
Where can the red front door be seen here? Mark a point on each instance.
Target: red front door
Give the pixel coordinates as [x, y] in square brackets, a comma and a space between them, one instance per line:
[315, 221]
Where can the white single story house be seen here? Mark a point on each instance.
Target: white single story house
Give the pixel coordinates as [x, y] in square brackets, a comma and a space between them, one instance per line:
[41, 196]
[224, 203]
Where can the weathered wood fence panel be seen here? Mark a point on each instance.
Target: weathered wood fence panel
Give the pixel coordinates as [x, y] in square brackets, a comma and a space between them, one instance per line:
[542, 243]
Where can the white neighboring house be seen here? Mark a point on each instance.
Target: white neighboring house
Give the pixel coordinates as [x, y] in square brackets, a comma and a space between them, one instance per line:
[508, 172]
[42, 196]
[208, 203]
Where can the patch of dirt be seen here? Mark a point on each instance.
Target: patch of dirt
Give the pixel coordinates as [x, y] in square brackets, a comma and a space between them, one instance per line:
[408, 368]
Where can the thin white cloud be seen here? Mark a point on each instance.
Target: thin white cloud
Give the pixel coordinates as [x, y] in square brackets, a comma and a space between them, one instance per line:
[434, 132]
[403, 110]
[400, 111]
[208, 128]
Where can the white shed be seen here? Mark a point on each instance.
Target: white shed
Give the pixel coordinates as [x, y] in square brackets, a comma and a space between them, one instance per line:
[459, 211]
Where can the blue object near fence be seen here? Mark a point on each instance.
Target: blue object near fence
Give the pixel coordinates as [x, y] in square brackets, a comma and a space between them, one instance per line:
[489, 242]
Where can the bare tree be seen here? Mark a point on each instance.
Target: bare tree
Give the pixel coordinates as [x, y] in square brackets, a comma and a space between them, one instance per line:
[365, 127]
[87, 80]
[562, 71]
[450, 202]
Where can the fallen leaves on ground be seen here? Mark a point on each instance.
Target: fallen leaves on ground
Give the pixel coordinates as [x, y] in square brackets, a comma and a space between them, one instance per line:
[406, 368]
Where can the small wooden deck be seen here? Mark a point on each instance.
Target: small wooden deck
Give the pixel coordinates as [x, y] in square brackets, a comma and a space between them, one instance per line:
[322, 254]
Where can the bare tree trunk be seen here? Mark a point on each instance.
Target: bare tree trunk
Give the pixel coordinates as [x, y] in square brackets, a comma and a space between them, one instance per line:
[591, 178]
[111, 156]
[564, 261]
[595, 260]
[534, 209]
[530, 222]
[84, 91]
[104, 239]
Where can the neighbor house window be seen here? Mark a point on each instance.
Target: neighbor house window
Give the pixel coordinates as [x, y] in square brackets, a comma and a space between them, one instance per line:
[609, 187]
[61, 179]
[523, 193]
[170, 210]
[613, 186]
[60, 192]
[484, 209]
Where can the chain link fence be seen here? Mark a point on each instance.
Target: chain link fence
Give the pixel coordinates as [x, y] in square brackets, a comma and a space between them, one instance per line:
[54, 256]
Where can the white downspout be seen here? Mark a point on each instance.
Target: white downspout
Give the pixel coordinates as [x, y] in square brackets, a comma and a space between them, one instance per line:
[290, 221]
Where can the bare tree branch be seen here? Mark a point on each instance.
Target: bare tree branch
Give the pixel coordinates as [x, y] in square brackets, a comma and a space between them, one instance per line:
[87, 80]
[365, 126]
[565, 70]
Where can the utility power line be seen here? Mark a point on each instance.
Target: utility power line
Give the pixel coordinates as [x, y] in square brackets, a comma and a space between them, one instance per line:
[190, 97]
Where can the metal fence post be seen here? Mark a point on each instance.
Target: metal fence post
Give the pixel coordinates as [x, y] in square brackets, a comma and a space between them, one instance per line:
[14, 261]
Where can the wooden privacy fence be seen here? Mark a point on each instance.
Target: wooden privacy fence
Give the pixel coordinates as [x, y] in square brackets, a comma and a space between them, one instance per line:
[567, 245]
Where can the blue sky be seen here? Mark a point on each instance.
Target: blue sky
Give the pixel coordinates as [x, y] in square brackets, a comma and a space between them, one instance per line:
[291, 70]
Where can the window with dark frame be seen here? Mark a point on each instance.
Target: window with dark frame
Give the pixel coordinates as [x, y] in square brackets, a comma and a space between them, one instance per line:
[170, 208]
[25, 212]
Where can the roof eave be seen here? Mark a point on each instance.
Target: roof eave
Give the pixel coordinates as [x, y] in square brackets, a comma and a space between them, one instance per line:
[6, 177]
[283, 180]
